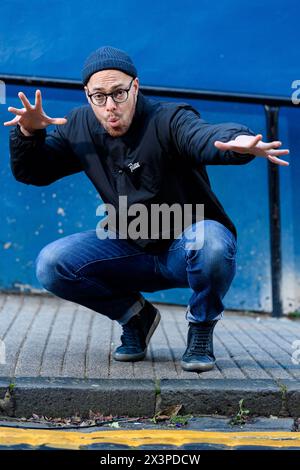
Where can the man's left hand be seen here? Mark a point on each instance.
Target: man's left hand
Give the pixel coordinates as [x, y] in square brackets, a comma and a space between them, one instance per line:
[255, 146]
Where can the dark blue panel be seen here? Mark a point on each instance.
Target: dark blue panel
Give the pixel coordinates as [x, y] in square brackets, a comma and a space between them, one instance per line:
[230, 45]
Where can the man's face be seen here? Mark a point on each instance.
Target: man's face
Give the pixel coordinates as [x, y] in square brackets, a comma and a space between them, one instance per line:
[116, 118]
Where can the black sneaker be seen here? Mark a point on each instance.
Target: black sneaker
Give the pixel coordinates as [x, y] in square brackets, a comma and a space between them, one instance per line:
[199, 354]
[137, 333]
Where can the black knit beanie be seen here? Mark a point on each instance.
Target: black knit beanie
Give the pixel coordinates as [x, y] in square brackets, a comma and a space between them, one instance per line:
[105, 58]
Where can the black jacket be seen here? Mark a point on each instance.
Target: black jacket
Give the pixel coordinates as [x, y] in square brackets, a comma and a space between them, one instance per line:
[170, 142]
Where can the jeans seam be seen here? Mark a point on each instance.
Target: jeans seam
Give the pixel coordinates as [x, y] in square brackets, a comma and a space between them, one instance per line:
[111, 291]
[106, 259]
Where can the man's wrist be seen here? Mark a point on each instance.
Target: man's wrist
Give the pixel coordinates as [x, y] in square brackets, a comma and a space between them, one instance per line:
[36, 134]
[27, 133]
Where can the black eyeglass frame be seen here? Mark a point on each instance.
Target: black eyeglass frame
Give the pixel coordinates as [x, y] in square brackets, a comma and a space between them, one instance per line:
[106, 95]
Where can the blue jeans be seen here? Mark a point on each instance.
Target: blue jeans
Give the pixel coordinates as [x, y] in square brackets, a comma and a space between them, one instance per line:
[108, 275]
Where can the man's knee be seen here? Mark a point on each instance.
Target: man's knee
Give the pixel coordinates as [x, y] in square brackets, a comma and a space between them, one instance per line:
[217, 248]
[49, 267]
[213, 252]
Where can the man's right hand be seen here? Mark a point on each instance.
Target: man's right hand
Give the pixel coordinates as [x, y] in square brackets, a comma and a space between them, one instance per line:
[31, 118]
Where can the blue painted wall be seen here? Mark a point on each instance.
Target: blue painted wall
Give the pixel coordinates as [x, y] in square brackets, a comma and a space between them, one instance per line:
[229, 46]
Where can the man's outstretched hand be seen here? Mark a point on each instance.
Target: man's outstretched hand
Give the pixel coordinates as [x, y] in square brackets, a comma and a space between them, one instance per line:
[255, 146]
[31, 118]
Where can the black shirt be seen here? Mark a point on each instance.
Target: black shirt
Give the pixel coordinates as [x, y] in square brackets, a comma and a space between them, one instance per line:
[162, 158]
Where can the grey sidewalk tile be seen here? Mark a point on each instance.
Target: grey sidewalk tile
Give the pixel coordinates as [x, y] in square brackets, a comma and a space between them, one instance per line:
[284, 323]
[164, 365]
[241, 351]
[229, 368]
[9, 312]
[144, 369]
[30, 357]
[261, 397]
[284, 346]
[16, 335]
[52, 361]
[74, 363]
[271, 343]
[287, 329]
[174, 342]
[98, 353]
[257, 346]
[284, 333]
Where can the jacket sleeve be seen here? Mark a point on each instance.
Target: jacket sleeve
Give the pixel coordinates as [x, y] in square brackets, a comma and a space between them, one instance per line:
[194, 138]
[42, 158]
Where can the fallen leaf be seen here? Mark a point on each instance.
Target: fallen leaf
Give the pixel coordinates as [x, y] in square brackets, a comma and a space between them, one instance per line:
[168, 412]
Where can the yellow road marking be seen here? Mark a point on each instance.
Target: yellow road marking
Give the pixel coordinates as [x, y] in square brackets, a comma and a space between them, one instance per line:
[132, 438]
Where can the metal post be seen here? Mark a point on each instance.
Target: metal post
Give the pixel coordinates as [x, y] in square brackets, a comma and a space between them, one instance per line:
[274, 215]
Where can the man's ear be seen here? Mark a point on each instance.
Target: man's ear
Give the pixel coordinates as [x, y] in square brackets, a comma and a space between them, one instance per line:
[86, 93]
[136, 85]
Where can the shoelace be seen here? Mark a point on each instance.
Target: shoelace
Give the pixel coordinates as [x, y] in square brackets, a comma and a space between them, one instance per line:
[201, 339]
[130, 335]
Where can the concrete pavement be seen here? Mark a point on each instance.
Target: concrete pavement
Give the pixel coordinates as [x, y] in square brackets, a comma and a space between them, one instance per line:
[59, 356]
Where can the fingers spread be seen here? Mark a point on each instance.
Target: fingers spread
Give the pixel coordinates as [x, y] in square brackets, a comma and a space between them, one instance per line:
[17, 111]
[58, 121]
[38, 99]
[278, 161]
[12, 122]
[24, 100]
[276, 144]
[270, 145]
[221, 145]
[278, 152]
[255, 141]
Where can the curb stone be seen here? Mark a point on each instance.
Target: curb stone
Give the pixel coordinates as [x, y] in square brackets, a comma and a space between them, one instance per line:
[261, 397]
[63, 397]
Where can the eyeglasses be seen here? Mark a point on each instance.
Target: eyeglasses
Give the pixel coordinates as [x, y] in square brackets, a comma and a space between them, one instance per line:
[119, 96]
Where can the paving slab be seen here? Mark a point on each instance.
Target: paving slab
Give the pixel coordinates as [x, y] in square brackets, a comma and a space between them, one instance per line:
[54, 349]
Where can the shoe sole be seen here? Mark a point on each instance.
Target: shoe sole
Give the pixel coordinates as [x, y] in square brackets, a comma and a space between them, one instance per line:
[196, 366]
[140, 356]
